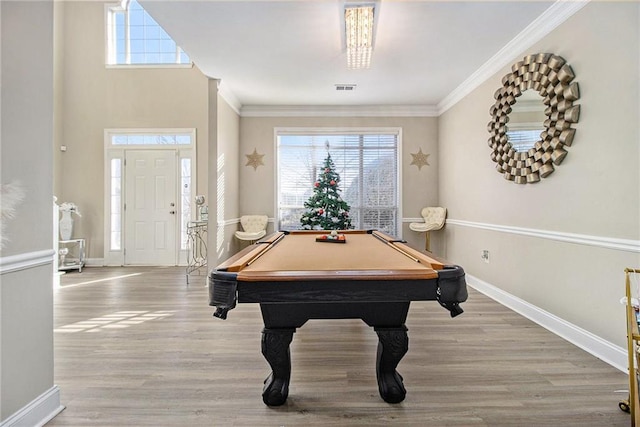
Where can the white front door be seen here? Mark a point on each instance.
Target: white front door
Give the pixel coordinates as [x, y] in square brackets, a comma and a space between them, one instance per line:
[150, 207]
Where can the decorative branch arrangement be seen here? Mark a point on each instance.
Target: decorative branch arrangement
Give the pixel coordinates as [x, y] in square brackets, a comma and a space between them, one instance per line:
[10, 197]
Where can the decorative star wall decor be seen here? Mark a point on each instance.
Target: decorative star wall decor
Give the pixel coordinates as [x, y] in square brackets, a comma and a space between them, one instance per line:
[420, 159]
[254, 160]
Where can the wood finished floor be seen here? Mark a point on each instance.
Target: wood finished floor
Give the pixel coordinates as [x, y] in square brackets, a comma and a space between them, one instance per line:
[138, 347]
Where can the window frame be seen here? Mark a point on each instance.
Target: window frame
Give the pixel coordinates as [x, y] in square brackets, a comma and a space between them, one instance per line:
[365, 130]
[110, 39]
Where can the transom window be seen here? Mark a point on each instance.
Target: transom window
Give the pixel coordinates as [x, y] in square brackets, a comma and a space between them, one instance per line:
[134, 38]
[367, 163]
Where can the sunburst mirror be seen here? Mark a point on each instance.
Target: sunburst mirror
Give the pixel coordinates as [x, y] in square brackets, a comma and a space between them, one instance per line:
[532, 118]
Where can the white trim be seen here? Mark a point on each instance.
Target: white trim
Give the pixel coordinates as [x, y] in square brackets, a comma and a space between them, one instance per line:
[229, 97]
[339, 111]
[108, 132]
[626, 245]
[117, 257]
[550, 19]
[94, 262]
[131, 66]
[610, 353]
[227, 222]
[233, 221]
[38, 412]
[26, 260]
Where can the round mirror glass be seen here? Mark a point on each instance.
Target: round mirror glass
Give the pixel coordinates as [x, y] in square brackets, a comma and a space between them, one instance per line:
[526, 121]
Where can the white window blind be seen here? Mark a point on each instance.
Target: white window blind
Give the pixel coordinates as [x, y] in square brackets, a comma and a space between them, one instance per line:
[368, 167]
[523, 139]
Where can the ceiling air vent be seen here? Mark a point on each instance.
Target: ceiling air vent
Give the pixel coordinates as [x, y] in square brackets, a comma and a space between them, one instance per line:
[345, 87]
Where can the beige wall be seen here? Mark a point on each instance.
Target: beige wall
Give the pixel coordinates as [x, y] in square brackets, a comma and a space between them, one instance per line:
[419, 187]
[95, 98]
[595, 192]
[26, 283]
[228, 180]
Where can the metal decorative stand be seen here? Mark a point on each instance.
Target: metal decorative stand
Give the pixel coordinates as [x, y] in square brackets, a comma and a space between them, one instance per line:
[196, 247]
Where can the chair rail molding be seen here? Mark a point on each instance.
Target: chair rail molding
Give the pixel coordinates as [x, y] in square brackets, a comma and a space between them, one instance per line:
[626, 245]
[25, 260]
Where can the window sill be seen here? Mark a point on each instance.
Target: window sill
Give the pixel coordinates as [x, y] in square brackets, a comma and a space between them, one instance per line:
[134, 66]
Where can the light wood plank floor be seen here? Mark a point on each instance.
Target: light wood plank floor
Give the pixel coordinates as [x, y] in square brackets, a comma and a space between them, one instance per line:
[138, 347]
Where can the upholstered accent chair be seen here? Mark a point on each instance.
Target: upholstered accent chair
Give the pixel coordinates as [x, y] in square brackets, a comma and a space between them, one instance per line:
[254, 227]
[434, 218]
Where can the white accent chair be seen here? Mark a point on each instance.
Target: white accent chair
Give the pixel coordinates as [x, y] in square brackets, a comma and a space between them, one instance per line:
[254, 227]
[434, 218]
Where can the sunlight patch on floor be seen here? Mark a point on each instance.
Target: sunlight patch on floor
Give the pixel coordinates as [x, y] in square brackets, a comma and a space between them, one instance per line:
[90, 282]
[118, 320]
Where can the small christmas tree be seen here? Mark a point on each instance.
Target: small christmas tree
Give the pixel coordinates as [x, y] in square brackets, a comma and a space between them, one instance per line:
[325, 209]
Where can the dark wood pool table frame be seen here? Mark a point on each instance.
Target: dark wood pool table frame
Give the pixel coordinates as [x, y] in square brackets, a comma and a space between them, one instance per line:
[289, 297]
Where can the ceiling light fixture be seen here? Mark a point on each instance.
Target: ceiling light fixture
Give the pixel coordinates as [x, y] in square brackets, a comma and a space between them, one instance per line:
[359, 35]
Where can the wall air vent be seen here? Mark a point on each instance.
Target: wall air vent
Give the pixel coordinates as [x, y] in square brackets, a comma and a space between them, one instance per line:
[345, 87]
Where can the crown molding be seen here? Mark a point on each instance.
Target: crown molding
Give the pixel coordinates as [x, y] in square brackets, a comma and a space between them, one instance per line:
[550, 19]
[339, 111]
[229, 97]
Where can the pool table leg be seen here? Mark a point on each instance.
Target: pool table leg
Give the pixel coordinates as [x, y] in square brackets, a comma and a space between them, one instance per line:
[275, 348]
[393, 344]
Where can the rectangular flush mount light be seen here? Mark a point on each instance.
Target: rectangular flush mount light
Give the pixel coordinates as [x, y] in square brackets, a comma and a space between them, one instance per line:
[359, 35]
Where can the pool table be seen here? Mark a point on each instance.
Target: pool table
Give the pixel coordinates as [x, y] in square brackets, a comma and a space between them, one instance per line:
[300, 275]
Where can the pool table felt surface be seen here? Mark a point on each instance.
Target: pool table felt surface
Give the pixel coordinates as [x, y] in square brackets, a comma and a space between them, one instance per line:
[299, 256]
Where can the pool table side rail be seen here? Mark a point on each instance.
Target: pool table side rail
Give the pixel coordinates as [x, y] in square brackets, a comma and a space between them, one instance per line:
[243, 258]
[250, 254]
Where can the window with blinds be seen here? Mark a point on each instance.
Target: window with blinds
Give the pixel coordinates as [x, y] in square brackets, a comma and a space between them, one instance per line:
[368, 167]
[523, 139]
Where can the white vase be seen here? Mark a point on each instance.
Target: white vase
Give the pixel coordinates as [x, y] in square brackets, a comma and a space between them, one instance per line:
[66, 226]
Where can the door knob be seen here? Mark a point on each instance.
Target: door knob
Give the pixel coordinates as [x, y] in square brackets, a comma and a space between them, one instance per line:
[172, 204]
[172, 212]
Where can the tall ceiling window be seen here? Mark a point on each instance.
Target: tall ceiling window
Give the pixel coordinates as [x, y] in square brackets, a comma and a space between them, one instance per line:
[367, 162]
[135, 38]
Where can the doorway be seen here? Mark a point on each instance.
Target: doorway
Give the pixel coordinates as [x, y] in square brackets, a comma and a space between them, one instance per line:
[150, 207]
[149, 177]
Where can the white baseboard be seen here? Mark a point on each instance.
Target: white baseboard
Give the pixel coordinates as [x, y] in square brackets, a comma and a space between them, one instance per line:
[37, 413]
[94, 262]
[612, 354]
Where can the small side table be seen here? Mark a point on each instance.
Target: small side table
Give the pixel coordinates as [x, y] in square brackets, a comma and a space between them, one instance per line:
[71, 254]
[196, 246]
